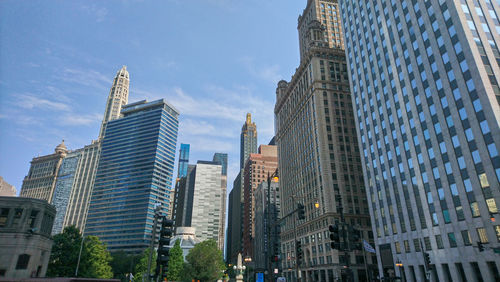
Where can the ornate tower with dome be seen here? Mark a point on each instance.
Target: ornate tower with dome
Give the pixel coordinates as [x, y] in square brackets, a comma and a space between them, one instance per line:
[42, 176]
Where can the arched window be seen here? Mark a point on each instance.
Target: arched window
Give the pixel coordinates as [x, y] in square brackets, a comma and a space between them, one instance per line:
[22, 261]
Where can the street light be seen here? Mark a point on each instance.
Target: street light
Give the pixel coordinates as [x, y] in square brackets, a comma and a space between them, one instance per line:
[247, 260]
[270, 253]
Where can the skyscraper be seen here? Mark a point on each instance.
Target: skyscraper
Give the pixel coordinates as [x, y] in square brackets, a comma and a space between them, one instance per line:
[318, 154]
[42, 176]
[183, 161]
[206, 209]
[117, 98]
[248, 140]
[134, 175]
[221, 158]
[424, 77]
[257, 168]
[248, 145]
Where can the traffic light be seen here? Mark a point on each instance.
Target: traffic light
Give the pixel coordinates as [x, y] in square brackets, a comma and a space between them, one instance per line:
[298, 249]
[427, 260]
[163, 246]
[301, 211]
[334, 236]
[480, 246]
[355, 238]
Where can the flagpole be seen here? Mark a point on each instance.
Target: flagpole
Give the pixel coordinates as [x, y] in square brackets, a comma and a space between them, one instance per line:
[366, 264]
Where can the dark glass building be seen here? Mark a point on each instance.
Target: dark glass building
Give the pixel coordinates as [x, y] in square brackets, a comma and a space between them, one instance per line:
[134, 175]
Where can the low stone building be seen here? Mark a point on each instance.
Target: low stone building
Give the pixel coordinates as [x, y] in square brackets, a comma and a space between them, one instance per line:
[187, 238]
[25, 242]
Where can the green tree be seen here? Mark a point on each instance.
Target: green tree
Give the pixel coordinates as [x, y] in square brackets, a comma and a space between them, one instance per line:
[141, 268]
[175, 262]
[64, 255]
[123, 264]
[96, 259]
[204, 262]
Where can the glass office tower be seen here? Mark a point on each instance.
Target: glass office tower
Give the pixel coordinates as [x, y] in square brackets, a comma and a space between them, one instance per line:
[134, 175]
[424, 77]
[183, 161]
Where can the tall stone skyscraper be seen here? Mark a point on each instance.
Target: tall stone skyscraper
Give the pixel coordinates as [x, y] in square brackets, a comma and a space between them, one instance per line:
[248, 140]
[318, 154]
[424, 77]
[134, 175]
[118, 97]
[40, 182]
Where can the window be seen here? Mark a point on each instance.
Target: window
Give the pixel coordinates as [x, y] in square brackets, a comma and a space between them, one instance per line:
[398, 247]
[17, 216]
[4, 216]
[466, 237]
[22, 261]
[481, 232]
[452, 239]
[497, 229]
[439, 242]
[32, 219]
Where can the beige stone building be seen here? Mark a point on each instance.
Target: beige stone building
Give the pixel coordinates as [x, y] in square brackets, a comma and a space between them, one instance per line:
[25, 243]
[42, 176]
[6, 189]
[318, 152]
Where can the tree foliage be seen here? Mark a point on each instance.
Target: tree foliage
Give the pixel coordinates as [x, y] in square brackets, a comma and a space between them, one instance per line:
[94, 260]
[123, 264]
[204, 262]
[141, 268]
[175, 262]
[65, 250]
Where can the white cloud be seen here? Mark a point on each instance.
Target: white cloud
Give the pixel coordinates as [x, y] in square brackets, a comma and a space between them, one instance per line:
[86, 77]
[201, 127]
[75, 119]
[28, 101]
[269, 73]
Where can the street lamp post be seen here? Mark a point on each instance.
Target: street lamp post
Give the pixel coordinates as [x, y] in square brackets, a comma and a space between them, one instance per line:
[247, 260]
[399, 265]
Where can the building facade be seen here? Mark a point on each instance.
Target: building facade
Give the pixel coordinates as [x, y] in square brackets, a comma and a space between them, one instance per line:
[64, 185]
[206, 209]
[424, 77]
[248, 145]
[183, 161]
[221, 158]
[42, 176]
[267, 228]
[248, 140]
[25, 227]
[134, 175]
[117, 98]
[6, 189]
[319, 159]
[183, 201]
[257, 169]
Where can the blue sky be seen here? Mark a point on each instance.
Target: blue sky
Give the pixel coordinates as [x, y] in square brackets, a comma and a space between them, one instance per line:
[214, 60]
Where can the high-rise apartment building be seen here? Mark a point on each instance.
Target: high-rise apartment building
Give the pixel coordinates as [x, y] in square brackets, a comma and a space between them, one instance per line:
[319, 159]
[183, 161]
[6, 190]
[221, 158]
[257, 168]
[117, 98]
[134, 175]
[424, 78]
[42, 176]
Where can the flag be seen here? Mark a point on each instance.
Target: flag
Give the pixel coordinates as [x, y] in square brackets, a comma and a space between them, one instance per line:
[368, 247]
